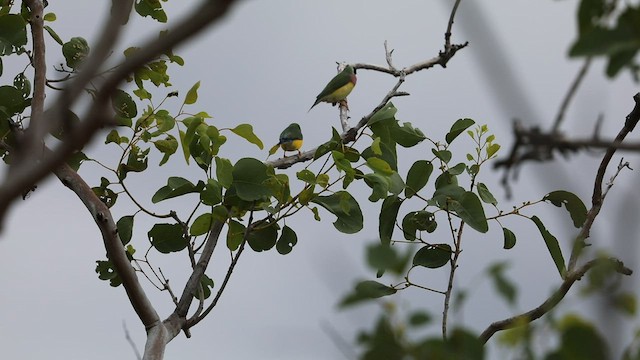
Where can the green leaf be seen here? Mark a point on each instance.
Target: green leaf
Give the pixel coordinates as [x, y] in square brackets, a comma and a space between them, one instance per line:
[572, 203]
[235, 235]
[13, 33]
[249, 176]
[264, 237]
[470, 210]
[386, 113]
[367, 290]
[504, 287]
[106, 271]
[75, 51]
[192, 94]
[201, 225]
[176, 186]
[582, 341]
[419, 318]
[49, 17]
[382, 256]
[288, 239]
[457, 128]
[346, 208]
[152, 8]
[406, 135]
[166, 146]
[486, 195]
[509, 238]
[380, 166]
[224, 171]
[206, 284]
[444, 155]
[76, 159]
[125, 229]
[212, 193]
[123, 104]
[246, 131]
[167, 238]
[22, 83]
[433, 256]
[492, 150]
[552, 246]
[11, 100]
[387, 219]
[417, 177]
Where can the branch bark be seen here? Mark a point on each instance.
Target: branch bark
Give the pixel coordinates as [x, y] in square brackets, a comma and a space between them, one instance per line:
[554, 299]
[27, 174]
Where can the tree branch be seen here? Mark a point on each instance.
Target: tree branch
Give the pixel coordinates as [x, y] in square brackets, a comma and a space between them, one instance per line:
[27, 174]
[598, 198]
[112, 243]
[177, 319]
[554, 299]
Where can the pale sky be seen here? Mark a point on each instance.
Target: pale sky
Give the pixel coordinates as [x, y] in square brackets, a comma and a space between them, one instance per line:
[264, 65]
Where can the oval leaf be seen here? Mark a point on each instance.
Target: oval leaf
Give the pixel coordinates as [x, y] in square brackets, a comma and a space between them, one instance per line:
[192, 94]
[470, 210]
[125, 229]
[433, 257]
[288, 239]
[346, 208]
[167, 238]
[417, 177]
[576, 208]
[457, 128]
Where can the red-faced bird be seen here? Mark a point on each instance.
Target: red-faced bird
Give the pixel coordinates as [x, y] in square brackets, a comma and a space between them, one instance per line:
[338, 88]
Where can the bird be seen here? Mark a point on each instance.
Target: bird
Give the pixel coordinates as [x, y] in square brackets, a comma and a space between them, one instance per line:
[290, 140]
[338, 88]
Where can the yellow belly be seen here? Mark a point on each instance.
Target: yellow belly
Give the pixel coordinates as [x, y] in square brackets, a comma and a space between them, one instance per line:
[292, 145]
[340, 94]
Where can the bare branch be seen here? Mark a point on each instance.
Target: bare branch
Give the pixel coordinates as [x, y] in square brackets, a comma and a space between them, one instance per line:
[32, 139]
[598, 198]
[554, 299]
[112, 243]
[177, 319]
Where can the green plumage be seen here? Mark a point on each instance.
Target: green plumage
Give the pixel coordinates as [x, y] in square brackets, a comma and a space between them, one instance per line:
[338, 88]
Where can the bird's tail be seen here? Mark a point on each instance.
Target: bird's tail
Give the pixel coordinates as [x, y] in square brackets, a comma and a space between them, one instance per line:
[314, 104]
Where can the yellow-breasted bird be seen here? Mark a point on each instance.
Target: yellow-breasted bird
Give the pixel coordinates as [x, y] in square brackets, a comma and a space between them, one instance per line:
[290, 140]
[338, 88]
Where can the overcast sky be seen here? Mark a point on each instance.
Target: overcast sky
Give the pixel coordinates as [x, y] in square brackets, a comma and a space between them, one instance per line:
[264, 65]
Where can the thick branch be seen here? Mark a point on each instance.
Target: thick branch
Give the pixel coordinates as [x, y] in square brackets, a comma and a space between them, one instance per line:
[177, 319]
[554, 299]
[37, 129]
[98, 114]
[115, 251]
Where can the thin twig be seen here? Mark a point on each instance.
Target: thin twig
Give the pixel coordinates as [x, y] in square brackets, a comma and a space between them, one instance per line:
[597, 197]
[127, 336]
[196, 319]
[554, 299]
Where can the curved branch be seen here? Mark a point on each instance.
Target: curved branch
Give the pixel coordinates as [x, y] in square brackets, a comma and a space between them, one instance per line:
[349, 134]
[554, 299]
[98, 114]
[112, 243]
[177, 319]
